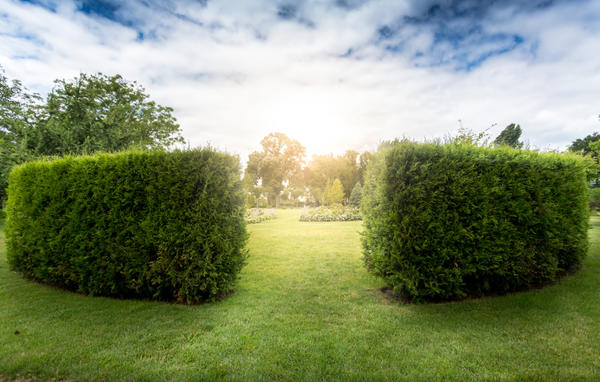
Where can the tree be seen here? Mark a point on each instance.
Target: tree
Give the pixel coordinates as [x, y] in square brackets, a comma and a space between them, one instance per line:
[324, 169]
[510, 137]
[18, 111]
[348, 171]
[103, 113]
[582, 145]
[90, 113]
[363, 162]
[356, 195]
[279, 162]
[334, 193]
[590, 147]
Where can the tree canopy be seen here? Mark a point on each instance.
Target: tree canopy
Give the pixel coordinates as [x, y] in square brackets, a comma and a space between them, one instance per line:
[103, 113]
[18, 111]
[510, 137]
[583, 145]
[90, 113]
[279, 162]
[334, 192]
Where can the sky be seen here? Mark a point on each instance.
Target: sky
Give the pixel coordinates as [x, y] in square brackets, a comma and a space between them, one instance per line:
[333, 74]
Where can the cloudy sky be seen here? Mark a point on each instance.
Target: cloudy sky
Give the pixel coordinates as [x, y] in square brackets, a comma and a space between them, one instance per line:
[334, 74]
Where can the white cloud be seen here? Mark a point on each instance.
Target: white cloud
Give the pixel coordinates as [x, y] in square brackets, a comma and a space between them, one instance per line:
[244, 73]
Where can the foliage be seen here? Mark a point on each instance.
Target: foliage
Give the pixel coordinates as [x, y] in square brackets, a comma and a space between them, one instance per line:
[18, 109]
[278, 163]
[90, 113]
[449, 221]
[160, 225]
[356, 195]
[510, 137]
[334, 193]
[331, 214]
[363, 162]
[583, 145]
[322, 171]
[258, 216]
[594, 194]
[468, 137]
[589, 147]
[103, 113]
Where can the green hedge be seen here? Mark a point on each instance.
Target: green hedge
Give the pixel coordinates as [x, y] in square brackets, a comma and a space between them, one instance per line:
[159, 225]
[444, 222]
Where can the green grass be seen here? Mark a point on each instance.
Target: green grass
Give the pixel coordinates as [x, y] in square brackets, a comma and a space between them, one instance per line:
[304, 309]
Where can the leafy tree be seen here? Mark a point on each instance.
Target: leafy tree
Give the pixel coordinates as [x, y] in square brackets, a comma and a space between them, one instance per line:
[582, 145]
[18, 111]
[103, 113]
[334, 193]
[363, 162]
[90, 113]
[510, 137]
[324, 169]
[348, 171]
[589, 146]
[279, 162]
[356, 195]
[466, 137]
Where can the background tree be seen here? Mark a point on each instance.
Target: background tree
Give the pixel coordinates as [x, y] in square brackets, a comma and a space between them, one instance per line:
[334, 192]
[103, 113]
[18, 112]
[324, 169]
[363, 162]
[356, 195]
[510, 137]
[87, 114]
[589, 146]
[279, 162]
[348, 171]
[582, 145]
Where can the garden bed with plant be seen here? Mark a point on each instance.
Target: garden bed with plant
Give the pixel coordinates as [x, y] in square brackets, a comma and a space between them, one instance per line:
[255, 216]
[331, 214]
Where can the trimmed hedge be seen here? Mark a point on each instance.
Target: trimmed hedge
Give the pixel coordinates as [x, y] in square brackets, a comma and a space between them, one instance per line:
[444, 222]
[159, 225]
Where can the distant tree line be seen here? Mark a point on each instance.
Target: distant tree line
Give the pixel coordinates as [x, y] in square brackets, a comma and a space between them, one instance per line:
[278, 173]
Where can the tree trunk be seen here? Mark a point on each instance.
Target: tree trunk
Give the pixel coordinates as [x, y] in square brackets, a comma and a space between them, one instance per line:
[277, 198]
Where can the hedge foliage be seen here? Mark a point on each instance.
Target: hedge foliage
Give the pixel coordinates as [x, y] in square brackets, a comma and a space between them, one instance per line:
[444, 222]
[159, 225]
[336, 213]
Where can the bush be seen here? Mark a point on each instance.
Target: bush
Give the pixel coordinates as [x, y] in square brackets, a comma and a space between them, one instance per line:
[2, 216]
[160, 225]
[448, 221]
[331, 214]
[258, 216]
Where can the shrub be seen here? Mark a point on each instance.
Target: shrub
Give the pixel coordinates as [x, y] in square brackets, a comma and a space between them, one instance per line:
[154, 225]
[2, 216]
[332, 214]
[449, 221]
[258, 216]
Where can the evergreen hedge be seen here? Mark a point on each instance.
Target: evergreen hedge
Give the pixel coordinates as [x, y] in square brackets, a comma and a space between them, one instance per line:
[445, 222]
[159, 225]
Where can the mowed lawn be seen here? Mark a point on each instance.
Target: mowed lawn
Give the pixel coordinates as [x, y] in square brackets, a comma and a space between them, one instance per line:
[304, 309]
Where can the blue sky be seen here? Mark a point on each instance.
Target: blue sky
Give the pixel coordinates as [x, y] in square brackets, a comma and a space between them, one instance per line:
[335, 74]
